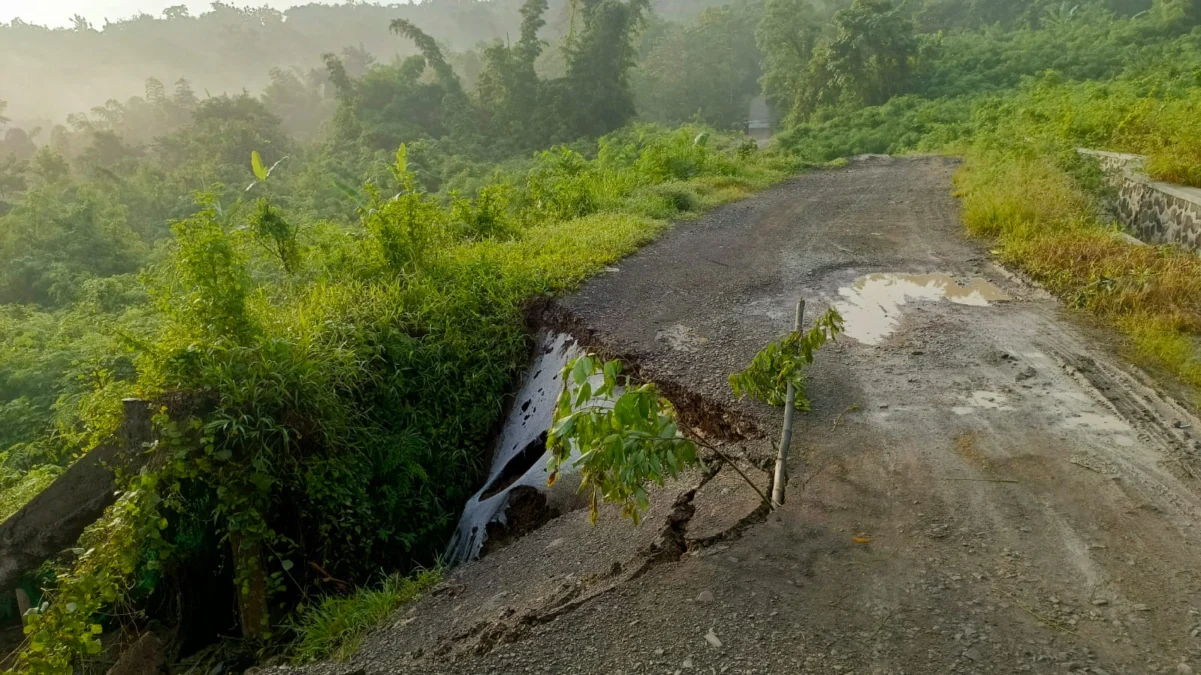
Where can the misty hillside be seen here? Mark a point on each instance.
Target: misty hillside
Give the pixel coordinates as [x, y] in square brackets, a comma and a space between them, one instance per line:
[229, 49]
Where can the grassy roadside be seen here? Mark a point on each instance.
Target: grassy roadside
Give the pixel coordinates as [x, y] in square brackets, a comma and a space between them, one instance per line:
[1044, 222]
[334, 627]
[552, 257]
[389, 348]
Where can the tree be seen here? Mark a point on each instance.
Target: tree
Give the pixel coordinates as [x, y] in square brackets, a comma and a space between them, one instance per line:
[432, 53]
[18, 143]
[867, 58]
[868, 61]
[510, 92]
[599, 58]
[787, 35]
[707, 69]
[297, 100]
[456, 111]
[176, 13]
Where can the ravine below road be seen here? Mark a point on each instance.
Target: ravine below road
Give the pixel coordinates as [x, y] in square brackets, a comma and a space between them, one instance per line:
[982, 486]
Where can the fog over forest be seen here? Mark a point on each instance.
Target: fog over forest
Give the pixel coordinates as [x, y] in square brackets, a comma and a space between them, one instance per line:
[49, 73]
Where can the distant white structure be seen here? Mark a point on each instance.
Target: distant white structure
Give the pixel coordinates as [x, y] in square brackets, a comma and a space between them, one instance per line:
[758, 124]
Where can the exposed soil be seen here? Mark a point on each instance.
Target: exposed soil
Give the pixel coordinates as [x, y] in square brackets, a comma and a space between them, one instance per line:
[987, 489]
[526, 511]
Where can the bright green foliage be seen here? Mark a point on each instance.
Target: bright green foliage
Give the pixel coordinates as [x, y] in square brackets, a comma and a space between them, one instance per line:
[276, 234]
[404, 228]
[334, 627]
[67, 627]
[488, 216]
[205, 291]
[783, 362]
[625, 434]
[345, 406]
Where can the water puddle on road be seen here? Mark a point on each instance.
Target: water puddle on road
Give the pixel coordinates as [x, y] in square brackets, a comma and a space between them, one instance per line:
[871, 307]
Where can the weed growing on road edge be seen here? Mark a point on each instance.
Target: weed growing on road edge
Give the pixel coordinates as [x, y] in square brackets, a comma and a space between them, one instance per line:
[335, 626]
[627, 436]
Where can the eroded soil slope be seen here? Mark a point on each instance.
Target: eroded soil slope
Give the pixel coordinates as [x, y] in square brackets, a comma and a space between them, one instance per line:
[981, 487]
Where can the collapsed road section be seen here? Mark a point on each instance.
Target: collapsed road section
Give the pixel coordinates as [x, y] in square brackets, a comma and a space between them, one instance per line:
[982, 486]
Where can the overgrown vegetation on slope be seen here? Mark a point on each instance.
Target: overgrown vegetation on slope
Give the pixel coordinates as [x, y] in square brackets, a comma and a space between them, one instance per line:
[349, 388]
[1045, 224]
[333, 324]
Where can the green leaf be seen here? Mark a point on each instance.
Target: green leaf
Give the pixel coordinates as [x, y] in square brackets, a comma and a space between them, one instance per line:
[621, 446]
[402, 160]
[345, 189]
[286, 564]
[581, 370]
[256, 164]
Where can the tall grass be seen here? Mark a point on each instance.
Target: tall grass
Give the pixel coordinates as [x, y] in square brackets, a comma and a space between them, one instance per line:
[351, 395]
[334, 627]
[1043, 223]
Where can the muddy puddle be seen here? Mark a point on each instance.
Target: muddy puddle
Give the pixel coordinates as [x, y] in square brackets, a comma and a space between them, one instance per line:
[872, 306]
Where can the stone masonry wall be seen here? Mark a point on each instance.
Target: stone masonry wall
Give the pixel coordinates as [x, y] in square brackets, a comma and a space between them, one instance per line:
[1157, 213]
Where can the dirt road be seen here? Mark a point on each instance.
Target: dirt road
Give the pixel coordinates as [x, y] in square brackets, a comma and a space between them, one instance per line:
[981, 487]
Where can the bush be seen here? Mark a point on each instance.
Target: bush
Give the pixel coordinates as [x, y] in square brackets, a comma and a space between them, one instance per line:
[349, 389]
[666, 200]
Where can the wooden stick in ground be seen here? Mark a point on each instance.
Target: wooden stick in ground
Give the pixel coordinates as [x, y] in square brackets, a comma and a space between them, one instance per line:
[745, 477]
[725, 458]
[781, 477]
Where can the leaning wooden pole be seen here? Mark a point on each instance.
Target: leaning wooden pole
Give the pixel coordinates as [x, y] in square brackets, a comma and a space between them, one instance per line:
[781, 478]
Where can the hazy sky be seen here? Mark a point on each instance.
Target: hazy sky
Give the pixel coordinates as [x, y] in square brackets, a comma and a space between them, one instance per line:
[59, 12]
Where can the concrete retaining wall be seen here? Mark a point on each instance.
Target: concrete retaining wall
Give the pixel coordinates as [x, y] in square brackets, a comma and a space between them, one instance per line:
[1157, 213]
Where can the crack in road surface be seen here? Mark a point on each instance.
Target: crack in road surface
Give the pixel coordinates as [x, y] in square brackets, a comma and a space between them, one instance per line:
[990, 489]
